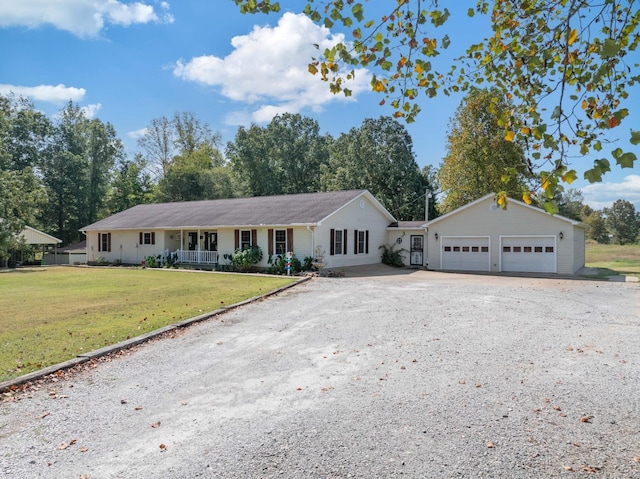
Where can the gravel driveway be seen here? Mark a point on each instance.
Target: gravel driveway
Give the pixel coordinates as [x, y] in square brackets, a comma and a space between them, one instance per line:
[420, 374]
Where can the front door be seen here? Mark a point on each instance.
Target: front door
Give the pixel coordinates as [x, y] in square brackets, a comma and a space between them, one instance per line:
[417, 250]
[211, 241]
[193, 241]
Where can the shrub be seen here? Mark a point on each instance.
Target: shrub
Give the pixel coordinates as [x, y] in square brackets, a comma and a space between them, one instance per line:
[278, 264]
[391, 256]
[245, 260]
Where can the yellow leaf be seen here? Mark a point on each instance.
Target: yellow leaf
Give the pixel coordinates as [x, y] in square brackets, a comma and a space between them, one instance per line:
[378, 87]
[419, 68]
[525, 131]
[313, 69]
[573, 36]
[527, 198]
[584, 104]
[569, 176]
[509, 136]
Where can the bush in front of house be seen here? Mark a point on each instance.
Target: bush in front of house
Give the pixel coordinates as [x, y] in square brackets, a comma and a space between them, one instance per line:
[278, 264]
[246, 259]
[391, 256]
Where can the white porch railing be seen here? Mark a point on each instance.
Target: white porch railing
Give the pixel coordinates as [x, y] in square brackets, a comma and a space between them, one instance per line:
[196, 257]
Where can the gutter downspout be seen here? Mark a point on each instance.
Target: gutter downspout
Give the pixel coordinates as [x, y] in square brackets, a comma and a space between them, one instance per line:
[313, 241]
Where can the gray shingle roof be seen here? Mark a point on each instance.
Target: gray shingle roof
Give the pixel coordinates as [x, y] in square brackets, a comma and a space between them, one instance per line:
[299, 209]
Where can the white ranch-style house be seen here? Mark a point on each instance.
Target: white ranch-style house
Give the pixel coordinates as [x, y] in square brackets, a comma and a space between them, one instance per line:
[340, 229]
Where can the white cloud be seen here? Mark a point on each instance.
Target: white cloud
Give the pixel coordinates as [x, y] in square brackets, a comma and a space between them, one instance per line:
[602, 195]
[91, 110]
[268, 68]
[135, 134]
[48, 93]
[84, 18]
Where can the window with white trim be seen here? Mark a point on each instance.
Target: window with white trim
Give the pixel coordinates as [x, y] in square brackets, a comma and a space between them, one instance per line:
[362, 242]
[245, 239]
[280, 242]
[337, 242]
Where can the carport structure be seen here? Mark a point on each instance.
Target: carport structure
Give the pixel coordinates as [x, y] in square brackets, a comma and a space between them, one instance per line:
[33, 237]
[481, 236]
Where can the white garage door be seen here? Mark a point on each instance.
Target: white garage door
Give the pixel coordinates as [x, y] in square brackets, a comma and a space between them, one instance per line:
[465, 253]
[528, 254]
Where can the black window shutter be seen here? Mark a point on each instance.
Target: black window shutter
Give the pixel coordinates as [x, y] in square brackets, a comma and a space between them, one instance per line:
[254, 238]
[99, 242]
[141, 238]
[236, 238]
[290, 239]
[270, 240]
[355, 241]
[153, 237]
[109, 242]
[344, 239]
[332, 244]
[366, 241]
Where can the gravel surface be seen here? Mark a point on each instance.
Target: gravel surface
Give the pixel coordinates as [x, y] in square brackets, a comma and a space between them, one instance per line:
[420, 374]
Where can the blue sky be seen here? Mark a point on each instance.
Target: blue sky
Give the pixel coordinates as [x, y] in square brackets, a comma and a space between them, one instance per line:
[129, 62]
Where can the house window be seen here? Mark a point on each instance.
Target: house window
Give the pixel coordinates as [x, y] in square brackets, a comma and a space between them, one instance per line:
[337, 242]
[538, 249]
[548, 249]
[517, 249]
[447, 249]
[484, 249]
[104, 242]
[147, 238]
[475, 249]
[360, 242]
[245, 239]
[465, 249]
[506, 249]
[280, 241]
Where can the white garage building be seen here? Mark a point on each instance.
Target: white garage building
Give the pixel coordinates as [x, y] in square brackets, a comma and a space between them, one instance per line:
[481, 236]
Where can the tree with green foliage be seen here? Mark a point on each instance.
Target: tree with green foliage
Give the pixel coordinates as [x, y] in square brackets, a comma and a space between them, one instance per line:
[623, 222]
[566, 66]
[131, 185]
[196, 175]
[19, 201]
[76, 172]
[284, 157]
[571, 204]
[479, 160]
[378, 156]
[597, 226]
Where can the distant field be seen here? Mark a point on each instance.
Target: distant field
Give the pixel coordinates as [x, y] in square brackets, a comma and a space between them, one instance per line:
[49, 315]
[614, 258]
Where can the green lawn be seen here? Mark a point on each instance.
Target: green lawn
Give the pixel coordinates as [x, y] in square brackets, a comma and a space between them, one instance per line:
[49, 315]
[614, 259]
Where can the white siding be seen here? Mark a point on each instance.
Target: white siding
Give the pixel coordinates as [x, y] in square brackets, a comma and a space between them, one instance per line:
[359, 215]
[395, 234]
[484, 219]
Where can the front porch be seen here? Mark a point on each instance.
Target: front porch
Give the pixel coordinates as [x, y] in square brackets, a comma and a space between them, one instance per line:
[195, 256]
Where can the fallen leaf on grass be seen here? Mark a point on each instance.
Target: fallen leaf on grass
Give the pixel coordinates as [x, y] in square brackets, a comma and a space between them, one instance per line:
[163, 447]
[585, 419]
